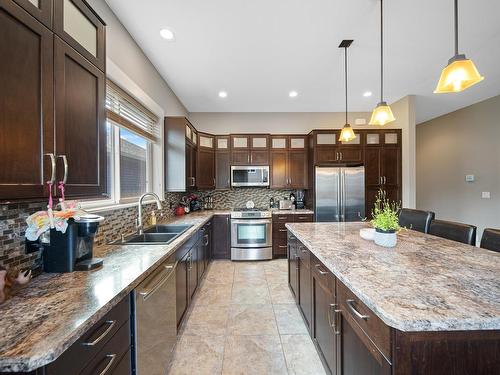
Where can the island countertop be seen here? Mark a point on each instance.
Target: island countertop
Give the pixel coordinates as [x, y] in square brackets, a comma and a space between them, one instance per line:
[43, 319]
[425, 283]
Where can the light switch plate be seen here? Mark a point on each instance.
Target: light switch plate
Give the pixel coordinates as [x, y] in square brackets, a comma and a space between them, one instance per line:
[485, 195]
[360, 121]
[470, 178]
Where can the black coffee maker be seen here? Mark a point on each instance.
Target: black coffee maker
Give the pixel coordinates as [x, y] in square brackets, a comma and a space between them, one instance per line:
[72, 250]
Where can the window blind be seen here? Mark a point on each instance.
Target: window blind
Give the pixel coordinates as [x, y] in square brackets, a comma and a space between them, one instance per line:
[126, 111]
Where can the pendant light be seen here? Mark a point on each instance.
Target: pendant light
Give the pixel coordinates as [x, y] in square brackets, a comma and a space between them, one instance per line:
[460, 73]
[382, 113]
[347, 134]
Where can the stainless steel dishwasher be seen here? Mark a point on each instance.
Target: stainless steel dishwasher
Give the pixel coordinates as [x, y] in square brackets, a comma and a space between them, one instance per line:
[155, 320]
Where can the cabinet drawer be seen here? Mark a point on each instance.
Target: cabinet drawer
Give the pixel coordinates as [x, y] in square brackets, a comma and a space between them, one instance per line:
[109, 357]
[360, 314]
[81, 352]
[321, 273]
[303, 218]
[283, 218]
[124, 367]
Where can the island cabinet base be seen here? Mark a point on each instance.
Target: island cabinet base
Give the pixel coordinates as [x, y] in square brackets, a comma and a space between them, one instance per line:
[352, 340]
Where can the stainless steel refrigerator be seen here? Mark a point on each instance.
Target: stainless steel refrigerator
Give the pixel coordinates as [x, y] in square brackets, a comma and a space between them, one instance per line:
[340, 193]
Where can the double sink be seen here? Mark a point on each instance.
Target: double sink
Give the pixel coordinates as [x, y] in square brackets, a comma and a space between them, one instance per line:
[161, 234]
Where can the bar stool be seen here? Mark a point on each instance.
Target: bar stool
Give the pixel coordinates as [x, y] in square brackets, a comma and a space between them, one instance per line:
[416, 219]
[459, 232]
[491, 239]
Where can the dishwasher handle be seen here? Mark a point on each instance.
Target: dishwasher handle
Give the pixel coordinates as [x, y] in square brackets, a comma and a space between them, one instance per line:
[156, 281]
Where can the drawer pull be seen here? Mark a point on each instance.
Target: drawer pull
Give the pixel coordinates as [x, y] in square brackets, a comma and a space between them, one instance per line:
[333, 322]
[111, 358]
[282, 230]
[350, 304]
[103, 335]
[282, 245]
[303, 249]
[303, 218]
[321, 272]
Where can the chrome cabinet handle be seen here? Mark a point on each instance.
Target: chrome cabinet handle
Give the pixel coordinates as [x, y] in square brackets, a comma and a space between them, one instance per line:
[303, 249]
[112, 358]
[341, 155]
[385, 180]
[350, 304]
[103, 335]
[333, 322]
[321, 272]
[53, 165]
[206, 240]
[65, 161]
[282, 230]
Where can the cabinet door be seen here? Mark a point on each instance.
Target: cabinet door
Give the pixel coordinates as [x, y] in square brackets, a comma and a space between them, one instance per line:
[279, 175]
[373, 166]
[259, 157]
[181, 285]
[350, 154]
[200, 264]
[259, 141]
[40, 9]
[205, 169]
[240, 157]
[78, 26]
[193, 270]
[240, 142]
[297, 169]
[222, 143]
[221, 243]
[80, 121]
[323, 331]
[293, 273]
[359, 355]
[326, 155]
[222, 170]
[391, 165]
[304, 284]
[26, 104]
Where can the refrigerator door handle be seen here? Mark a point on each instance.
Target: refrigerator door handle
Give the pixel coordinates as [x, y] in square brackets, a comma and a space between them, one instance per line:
[338, 216]
[343, 194]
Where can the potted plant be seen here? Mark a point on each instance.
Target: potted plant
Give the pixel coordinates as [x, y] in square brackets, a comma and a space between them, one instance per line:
[385, 221]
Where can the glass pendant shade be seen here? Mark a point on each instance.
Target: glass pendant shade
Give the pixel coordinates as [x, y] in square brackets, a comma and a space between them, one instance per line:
[347, 134]
[458, 75]
[382, 114]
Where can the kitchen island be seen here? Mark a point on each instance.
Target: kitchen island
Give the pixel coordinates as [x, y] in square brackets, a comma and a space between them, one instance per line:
[429, 305]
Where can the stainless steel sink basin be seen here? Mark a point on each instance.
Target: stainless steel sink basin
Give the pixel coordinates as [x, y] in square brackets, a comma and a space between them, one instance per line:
[161, 234]
[168, 228]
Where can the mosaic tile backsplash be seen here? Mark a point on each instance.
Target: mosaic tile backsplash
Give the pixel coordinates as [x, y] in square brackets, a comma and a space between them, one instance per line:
[13, 220]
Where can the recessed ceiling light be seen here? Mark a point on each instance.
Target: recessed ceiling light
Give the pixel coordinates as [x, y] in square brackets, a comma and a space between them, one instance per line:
[167, 34]
[366, 94]
[222, 94]
[293, 94]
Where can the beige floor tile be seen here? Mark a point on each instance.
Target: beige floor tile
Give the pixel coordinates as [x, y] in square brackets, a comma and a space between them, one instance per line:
[280, 294]
[251, 320]
[301, 355]
[213, 295]
[248, 355]
[277, 277]
[250, 293]
[198, 355]
[207, 321]
[289, 320]
[218, 277]
[276, 265]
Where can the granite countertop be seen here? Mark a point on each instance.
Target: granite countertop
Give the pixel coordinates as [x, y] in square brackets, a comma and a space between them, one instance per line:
[425, 283]
[299, 211]
[43, 319]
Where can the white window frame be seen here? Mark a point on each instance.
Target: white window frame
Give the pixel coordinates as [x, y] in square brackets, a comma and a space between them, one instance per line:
[155, 172]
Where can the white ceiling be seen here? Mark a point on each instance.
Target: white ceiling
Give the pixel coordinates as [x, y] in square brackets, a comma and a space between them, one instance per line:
[260, 50]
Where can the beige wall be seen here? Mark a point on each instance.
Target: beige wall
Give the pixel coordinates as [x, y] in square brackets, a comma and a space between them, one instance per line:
[449, 147]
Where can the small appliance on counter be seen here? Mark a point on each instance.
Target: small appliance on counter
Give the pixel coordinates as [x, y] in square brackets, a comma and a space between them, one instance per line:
[285, 204]
[300, 202]
[72, 250]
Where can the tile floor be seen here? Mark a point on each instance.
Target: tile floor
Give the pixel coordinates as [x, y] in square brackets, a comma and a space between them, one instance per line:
[244, 321]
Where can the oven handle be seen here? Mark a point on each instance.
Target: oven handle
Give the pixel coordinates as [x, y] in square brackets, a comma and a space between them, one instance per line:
[250, 221]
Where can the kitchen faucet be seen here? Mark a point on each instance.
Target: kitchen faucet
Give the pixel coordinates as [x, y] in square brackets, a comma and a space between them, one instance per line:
[139, 219]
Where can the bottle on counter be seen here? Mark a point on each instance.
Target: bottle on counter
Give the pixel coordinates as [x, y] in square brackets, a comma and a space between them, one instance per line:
[271, 203]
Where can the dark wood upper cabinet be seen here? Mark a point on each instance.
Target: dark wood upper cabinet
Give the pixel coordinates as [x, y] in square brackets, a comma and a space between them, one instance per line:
[80, 121]
[222, 170]
[240, 157]
[278, 172]
[41, 10]
[391, 165]
[297, 169]
[373, 166]
[205, 173]
[259, 157]
[79, 26]
[26, 104]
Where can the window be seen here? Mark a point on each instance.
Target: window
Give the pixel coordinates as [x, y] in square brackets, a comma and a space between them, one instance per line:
[131, 131]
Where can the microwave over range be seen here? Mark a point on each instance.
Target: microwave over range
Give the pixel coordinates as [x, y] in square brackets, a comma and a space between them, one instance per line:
[249, 176]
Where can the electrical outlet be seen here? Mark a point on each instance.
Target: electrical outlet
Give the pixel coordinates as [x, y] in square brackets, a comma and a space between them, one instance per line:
[485, 195]
[470, 178]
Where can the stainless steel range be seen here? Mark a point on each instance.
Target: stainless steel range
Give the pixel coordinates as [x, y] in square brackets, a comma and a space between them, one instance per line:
[251, 234]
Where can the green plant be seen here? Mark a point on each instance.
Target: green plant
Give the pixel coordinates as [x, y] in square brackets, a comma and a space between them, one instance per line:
[385, 214]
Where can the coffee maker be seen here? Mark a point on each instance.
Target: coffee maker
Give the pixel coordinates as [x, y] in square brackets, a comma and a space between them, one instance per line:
[72, 250]
[299, 202]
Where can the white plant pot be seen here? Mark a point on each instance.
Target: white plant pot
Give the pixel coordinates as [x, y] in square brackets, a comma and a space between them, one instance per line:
[386, 239]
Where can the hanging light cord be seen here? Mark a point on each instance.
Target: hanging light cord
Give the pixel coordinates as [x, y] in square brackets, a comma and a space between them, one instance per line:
[381, 52]
[456, 27]
[345, 57]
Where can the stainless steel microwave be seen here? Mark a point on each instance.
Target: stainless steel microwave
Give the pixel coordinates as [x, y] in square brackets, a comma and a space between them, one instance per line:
[249, 176]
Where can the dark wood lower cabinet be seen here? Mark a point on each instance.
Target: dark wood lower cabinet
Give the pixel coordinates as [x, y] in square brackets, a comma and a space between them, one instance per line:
[221, 237]
[304, 283]
[293, 272]
[279, 231]
[181, 285]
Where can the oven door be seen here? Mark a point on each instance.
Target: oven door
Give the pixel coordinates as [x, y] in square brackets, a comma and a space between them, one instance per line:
[249, 176]
[251, 233]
